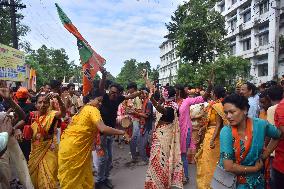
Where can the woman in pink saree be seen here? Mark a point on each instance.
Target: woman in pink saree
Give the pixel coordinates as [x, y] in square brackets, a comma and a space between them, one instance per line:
[186, 125]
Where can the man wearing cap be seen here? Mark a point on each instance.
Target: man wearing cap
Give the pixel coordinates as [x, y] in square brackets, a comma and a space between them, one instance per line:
[22, 96]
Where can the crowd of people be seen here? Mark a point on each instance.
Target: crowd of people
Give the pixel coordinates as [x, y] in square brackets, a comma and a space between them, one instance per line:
[48, 139]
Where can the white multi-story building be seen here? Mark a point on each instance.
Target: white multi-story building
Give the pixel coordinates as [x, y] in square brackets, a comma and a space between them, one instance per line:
[254, 29]
[169, 63]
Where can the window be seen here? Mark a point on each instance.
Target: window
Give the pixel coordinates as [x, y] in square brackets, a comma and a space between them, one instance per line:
[247, 16]
[234, 1]
[262, 70]
[232, 40]
[246, 6]
[222, 7]
[263, 28]
[263, 39]
[233, 24]
[233, 49]
[264, 7]
[247, 44]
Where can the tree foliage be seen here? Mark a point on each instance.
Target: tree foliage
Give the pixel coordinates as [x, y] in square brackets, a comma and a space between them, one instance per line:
[131, 72]
[226, 70]
[197, 31]
[5, 27]
[53, 64]
[128, 72]
[154, 76]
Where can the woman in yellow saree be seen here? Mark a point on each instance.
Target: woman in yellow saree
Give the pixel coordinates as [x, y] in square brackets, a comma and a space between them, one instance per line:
[43, 157]
[75, 149]
[208, 154]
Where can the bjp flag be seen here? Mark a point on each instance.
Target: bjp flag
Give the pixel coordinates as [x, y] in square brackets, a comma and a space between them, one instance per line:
[90, 60]
[32, 79]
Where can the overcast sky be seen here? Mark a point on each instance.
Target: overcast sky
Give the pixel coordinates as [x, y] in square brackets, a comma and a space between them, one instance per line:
[117, 29]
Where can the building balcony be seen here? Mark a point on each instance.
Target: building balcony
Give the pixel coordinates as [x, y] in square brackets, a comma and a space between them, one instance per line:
[246, 54]
[263, 17]
[261, 79]
[246, 26]
[257, 51]
[262, 49]
[233, 7]
[232, 32]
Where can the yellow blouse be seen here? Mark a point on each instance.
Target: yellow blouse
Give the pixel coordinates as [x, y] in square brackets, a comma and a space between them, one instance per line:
[83, 123]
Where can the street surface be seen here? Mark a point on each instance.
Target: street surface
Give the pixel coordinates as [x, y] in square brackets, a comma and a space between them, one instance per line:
[124, 176]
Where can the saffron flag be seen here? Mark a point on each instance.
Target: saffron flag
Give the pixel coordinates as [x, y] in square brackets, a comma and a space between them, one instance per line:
[32, 80]
[90, 60]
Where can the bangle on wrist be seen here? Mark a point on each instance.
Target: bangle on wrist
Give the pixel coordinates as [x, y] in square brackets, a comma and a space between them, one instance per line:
[245, 170]
[123, 136]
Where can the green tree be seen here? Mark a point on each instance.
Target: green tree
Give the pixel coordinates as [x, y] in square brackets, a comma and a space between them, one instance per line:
[140, 67]
[128, 72]
[53, 64]
[226, 70]
[192, 74]
[5, 27]
[111, 77]
[131, 72]
[154, 76]
[197, 31]
[76, 73]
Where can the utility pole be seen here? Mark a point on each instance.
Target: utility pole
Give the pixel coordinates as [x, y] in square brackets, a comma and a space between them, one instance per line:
[277, 9]
[13, 17]
[14, 24]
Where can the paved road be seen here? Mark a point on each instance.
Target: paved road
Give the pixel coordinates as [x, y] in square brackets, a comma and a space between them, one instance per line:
[132, 177]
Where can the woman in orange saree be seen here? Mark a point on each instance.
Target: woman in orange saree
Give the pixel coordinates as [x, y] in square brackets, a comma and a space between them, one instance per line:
[43, 164]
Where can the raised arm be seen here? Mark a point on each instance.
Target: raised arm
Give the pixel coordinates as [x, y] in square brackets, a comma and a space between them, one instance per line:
[209, 88]
[5, 94]
[158, 107]
[62, 109]
[149, 85]
[133, 95]
[103, 81]
[20, 124]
